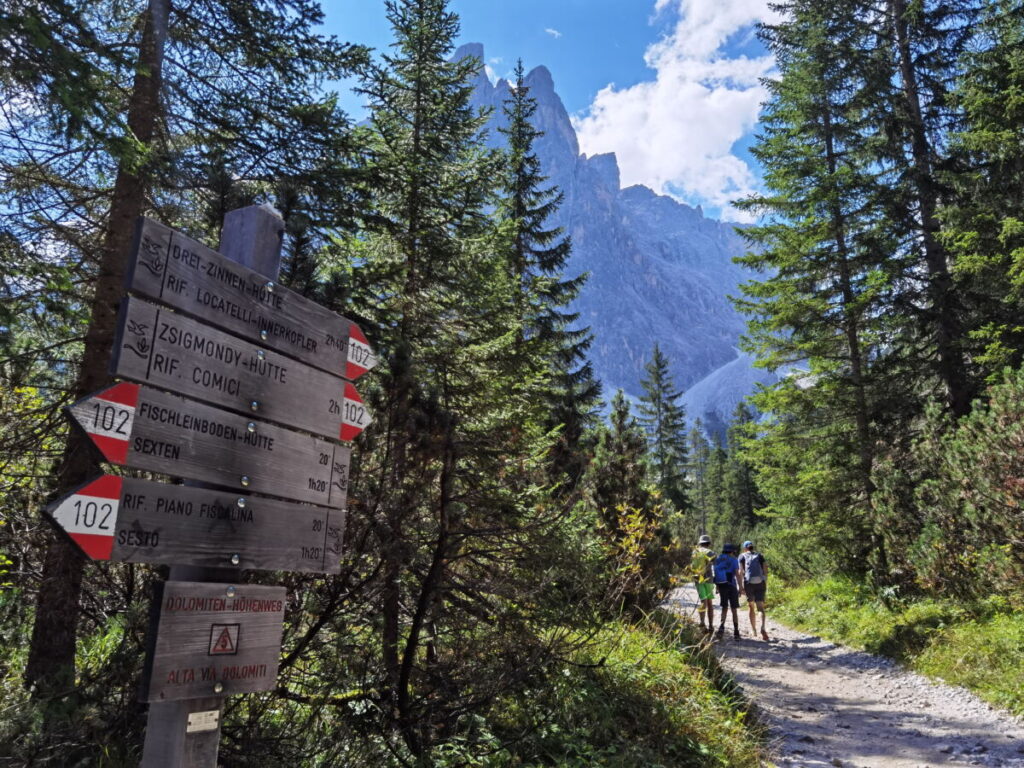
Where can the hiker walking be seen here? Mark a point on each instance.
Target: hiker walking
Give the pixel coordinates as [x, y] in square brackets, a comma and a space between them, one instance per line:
[729, 582]
[702, 568]
[755, 584]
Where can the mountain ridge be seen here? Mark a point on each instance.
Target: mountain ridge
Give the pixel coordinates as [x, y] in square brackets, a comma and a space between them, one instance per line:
[660, 270]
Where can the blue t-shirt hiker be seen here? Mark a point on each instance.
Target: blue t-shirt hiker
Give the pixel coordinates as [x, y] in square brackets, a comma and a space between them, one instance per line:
[728, 582]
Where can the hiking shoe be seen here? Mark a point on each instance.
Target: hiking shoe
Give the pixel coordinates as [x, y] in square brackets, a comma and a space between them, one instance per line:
[764, 635]
[735, 634]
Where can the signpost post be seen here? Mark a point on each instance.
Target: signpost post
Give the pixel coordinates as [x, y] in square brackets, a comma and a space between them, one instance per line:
[253, 352]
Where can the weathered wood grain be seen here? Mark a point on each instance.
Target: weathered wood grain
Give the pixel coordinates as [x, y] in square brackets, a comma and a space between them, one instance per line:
[141, 427]
[126, 519]
[213, 640]
[185, 274]
[169, 350]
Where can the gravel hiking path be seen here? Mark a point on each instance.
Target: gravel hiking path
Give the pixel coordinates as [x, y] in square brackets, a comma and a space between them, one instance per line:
[829, 705]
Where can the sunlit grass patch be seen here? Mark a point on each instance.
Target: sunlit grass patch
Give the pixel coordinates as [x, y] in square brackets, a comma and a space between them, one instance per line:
[978, 645]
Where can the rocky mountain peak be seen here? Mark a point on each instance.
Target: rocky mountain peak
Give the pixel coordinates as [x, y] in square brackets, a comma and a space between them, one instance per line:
[660, 271]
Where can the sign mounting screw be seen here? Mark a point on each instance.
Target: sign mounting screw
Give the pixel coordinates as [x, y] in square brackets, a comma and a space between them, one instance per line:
[261, 354]
[254, 405]
[218, 687]
[241, 502]
[251, 426]
[245, 481]
[269, 286]
[235, 559]
[230, 591]
[263, 335]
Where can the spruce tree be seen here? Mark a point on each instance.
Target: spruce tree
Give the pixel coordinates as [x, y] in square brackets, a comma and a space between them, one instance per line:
[450, 480]
[617, 477]
[122, 102]
[664, 421]
[983, 225]
[537, 258]
[699, 450]
[831, 270]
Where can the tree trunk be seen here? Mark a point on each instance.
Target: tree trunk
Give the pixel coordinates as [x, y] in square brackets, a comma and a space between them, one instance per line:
[51, 661]
[948, 331]
[855, 355]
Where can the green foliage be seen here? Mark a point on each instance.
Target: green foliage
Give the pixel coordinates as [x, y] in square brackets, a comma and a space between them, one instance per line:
[726, 495]
[664, 421]
[547, 344]
[954, 501]
[491, 531]
[637, 696]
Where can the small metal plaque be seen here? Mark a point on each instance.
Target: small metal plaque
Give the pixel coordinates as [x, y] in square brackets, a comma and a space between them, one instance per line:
[203, 721]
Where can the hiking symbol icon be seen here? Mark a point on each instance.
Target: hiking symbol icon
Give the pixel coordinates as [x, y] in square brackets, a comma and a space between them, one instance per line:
[223, 639]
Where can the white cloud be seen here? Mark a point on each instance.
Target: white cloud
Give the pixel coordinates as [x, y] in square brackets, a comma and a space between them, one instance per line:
[553, 32]
[675, 133]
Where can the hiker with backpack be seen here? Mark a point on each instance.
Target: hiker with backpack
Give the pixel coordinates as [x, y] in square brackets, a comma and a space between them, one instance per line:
[729, 582]
[702, 569]
[755, 583]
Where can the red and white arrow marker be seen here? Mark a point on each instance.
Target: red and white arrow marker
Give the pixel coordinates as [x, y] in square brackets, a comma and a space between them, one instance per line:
[107, 417]
[360, 357]
[89, 515]
[355, 416]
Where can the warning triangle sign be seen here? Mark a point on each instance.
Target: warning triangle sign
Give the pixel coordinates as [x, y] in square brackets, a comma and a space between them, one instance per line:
[223, 639]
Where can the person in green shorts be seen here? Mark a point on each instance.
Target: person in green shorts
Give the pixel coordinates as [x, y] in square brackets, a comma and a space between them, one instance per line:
[702, 568]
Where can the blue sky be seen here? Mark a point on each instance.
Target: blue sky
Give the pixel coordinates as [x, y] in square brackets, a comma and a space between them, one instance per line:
[670, 86]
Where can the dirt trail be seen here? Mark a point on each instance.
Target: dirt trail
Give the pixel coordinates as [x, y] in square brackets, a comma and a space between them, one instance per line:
[829, 705]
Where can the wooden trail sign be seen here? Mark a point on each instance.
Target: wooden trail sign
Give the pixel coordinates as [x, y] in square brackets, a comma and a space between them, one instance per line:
[213, 640]
[147, 429]
[169, 350]
[137, 521]
[185, 274]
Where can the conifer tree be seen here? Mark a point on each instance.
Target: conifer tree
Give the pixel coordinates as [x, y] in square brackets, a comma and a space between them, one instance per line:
[537, 259]
[450, 483]
[831, 269]
[699, 450]
[664, 421]
[123, 103]
[983, 225]
[922, 46]
[617, 477]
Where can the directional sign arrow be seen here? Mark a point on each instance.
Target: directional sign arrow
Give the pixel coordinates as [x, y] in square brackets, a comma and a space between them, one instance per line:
[129, 520]
[185, 274]
[167, 349]
[144, 428]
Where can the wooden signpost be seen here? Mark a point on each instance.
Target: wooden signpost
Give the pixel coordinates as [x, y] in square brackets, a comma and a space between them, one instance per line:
[129, 520]
[182, 273]
[141, 427]
[214, 640]
[169, 350]
[227, 335]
